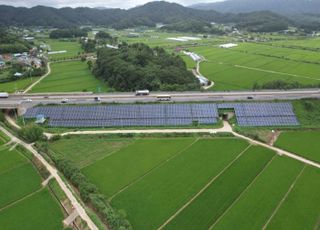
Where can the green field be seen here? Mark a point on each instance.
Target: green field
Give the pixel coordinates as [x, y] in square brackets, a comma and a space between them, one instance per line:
[18, 85]
[24, 203]
[130, 166]
[196, 183]
[212, 203]
[308, 112]
[239, 68]
[301, 208]
[286, 58]
[85, 150]
[255, 206]
[73, 48]
[71, 76]
[39, 211]
[17, 183]
[304, 143]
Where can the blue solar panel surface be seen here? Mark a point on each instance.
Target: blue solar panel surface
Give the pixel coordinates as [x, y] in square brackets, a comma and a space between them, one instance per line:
[247, 114]
[127, 115]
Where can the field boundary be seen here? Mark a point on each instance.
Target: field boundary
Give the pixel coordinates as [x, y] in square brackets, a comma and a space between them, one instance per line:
[243, 192]
[14, 167]
[21, 199]
[152, 169]
[108, 155]
[284, 197]
[275, 72]
[205, 187]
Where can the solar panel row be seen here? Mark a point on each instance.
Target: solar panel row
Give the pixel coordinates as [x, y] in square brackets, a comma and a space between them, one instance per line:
[265, 114]
[247, 114]
[127, 115]
[128, 122]
[267, 121]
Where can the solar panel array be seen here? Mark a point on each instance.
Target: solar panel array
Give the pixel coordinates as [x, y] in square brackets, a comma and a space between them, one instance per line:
[263, 114]
[247, 114]
[127, 115]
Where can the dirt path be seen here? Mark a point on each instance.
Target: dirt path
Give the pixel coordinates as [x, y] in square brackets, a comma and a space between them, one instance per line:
[225, 129]
[39, 80]
[279, 151]
[149, 131]
[274, 138]
[54, 173]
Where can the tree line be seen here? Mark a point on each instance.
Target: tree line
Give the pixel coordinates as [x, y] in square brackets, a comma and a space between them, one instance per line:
[11, 43]
[68, 33]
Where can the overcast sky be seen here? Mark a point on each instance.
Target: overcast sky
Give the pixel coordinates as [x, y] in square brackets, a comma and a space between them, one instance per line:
[92, 3]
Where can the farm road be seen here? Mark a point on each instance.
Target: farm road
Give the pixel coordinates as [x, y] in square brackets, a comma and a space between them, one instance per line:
[39, 80]
[54, 172]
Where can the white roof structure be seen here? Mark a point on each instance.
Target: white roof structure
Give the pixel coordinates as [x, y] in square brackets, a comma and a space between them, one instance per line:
[184, 39]
[228, 45]
[57, 52]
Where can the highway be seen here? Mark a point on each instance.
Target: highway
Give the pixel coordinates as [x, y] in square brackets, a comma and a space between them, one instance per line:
[88, 98]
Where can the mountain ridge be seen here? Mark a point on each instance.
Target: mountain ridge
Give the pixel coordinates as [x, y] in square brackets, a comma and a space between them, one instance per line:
[145, 15]
[286, 7]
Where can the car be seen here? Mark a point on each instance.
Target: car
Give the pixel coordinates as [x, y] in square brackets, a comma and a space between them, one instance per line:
[65, 100]
[28, 100]
[249, 98]
[98, 99]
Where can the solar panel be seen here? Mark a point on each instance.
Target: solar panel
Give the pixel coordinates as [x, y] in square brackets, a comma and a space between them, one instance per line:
[247, 114]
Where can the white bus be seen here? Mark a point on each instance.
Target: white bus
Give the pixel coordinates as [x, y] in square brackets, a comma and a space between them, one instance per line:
[4, 95]
[142, 92]
[164, 97]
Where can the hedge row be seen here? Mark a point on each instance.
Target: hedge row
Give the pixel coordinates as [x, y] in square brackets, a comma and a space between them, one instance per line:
[89, 193]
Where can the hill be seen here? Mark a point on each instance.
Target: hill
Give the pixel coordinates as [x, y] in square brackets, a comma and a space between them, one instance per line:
[278, 6]
[146, 15]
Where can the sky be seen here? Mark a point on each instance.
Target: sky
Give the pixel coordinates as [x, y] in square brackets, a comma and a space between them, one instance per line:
[125, 4]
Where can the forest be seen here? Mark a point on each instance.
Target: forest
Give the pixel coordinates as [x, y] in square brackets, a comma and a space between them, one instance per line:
[137, 66]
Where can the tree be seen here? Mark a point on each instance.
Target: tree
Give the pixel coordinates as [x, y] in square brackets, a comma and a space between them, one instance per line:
[31, 133]
[90, 64]
[103, 35]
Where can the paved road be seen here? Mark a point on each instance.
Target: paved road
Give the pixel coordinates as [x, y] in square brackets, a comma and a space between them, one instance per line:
[54, 173]
[87, 98]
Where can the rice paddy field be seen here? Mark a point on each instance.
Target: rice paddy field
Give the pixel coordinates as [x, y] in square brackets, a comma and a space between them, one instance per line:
[198, 182]
[313, 43]
[304, 143]
[18, 85]
[73, 48]
[71, 76]
[155, 38]
[24, 203]
[241, 67]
